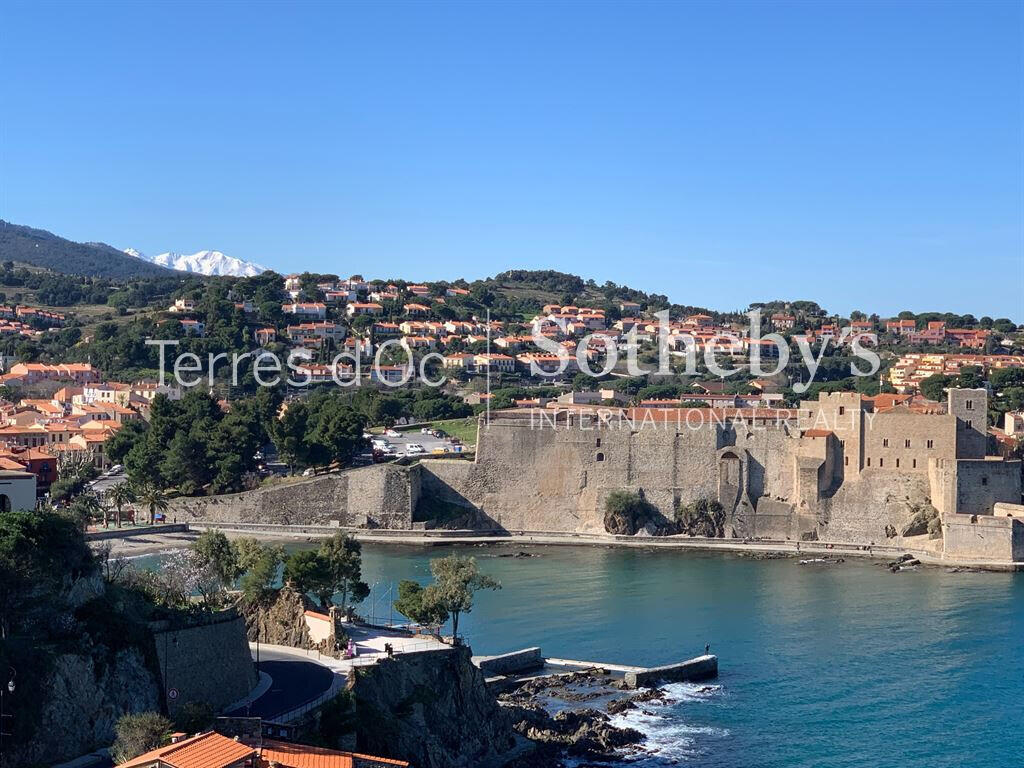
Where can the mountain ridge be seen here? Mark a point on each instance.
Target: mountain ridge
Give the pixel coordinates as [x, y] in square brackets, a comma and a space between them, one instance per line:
[206, 262]
[41, 248]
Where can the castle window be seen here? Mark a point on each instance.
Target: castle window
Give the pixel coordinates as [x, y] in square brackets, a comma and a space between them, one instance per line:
[881, 462]
[968, 423]
[984, 481]
[906, 443]
[869, 461]
[914, 464]
[897, 463]
[969, 405]
[600, 457]
[931, 443]
[846, 461]
[842, 410]
[599, 442]
[885, 442]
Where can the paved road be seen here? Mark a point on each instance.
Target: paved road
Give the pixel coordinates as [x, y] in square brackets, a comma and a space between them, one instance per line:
[295, 682]
[104, 483]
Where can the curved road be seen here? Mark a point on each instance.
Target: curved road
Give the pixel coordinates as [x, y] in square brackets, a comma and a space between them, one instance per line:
[295, 681]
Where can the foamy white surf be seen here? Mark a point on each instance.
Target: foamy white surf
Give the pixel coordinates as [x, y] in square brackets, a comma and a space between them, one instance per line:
[668, 739]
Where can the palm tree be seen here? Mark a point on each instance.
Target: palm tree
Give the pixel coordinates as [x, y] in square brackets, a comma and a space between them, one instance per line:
[86, 507]
[120, 495]
[153, 498]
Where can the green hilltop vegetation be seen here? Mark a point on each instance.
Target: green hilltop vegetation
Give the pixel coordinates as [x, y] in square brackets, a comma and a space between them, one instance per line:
[40, 248]
[109, 319]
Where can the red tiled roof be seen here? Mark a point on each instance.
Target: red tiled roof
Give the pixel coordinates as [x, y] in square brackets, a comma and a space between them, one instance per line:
[302, 756]
[207, 750]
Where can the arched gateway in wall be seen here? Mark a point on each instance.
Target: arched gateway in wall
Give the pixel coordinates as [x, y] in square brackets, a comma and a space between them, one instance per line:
[732, 472]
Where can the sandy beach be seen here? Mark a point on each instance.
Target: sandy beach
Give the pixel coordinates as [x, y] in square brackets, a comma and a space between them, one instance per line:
[159, 541]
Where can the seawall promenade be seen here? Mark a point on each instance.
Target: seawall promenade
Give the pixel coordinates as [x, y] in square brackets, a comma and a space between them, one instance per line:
[444, 537]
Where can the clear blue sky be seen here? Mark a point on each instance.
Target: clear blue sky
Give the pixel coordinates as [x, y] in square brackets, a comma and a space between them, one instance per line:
[867, 155]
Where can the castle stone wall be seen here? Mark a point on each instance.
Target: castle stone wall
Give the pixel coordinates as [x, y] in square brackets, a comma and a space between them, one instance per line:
[860, 477]
[982, 483]
[209, 663]
[983, 537]
[379, 496]
[529, 477]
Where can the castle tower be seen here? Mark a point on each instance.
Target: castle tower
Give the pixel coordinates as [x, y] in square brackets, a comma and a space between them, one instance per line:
[970, 406]
[841, 413]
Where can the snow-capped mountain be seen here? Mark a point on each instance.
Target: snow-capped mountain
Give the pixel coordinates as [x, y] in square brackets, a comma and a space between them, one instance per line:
[202, 262]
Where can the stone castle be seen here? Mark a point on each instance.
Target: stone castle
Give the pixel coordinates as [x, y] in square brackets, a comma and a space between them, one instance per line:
[842, 468]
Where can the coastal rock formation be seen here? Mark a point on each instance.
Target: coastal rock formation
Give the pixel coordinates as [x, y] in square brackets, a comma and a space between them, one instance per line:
[93, 662]
[82, 701]
[119, 663]
[925, 520]
[583, 732]
[279, 621]
[619, 706]
[431, 708]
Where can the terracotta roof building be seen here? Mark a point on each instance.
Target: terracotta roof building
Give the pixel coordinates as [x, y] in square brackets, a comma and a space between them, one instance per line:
[214, 750]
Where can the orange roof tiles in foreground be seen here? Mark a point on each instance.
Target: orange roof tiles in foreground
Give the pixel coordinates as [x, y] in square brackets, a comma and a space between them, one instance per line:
[207, 750]
[213, 750]
[302, 756]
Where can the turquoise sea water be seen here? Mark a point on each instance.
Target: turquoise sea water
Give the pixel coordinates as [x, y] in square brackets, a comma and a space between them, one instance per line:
[823, 666]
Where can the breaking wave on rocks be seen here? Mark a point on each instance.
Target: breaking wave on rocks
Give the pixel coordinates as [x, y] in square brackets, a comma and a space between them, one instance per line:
[668, 738]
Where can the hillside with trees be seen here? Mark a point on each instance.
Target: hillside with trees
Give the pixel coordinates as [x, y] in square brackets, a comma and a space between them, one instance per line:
[40, 248]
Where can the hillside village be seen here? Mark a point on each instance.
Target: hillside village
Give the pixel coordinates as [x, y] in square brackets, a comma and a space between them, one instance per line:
[66, 400]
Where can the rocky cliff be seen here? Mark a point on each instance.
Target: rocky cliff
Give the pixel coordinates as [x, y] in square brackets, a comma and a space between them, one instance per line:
[88, 667]
[279, 620]
[432, 709]
[103, 657]
[84, 699]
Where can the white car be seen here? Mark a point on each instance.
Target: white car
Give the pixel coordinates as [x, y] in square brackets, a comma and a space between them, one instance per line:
[426, 431]
[414, 448]
[393, 433]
